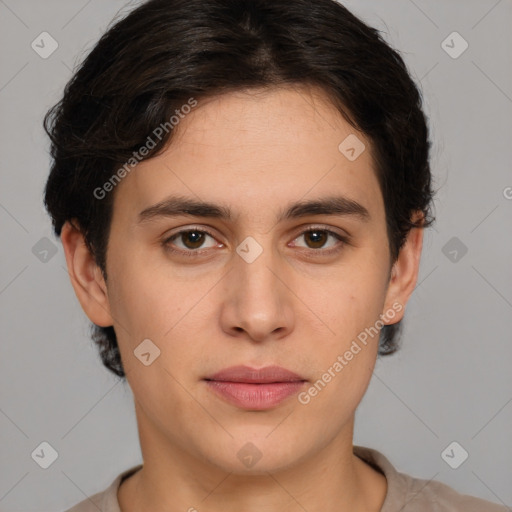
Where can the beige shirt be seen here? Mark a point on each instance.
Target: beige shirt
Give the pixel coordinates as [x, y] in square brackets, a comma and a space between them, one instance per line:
[404, 493]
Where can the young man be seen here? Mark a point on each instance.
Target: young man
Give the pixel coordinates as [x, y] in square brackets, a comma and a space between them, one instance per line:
[241, 189]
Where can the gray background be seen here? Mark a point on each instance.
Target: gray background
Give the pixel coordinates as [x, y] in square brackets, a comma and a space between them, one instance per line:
[451, 381]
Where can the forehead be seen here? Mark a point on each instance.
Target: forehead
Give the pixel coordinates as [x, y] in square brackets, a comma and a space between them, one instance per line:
[257, 150]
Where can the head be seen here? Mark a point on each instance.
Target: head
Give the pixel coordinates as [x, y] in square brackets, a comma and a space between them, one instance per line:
[250, 106]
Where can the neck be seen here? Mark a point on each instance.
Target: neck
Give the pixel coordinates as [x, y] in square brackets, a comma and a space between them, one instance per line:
[173, 479]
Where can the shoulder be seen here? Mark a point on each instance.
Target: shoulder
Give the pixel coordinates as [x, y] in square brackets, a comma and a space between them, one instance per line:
[104, 501]
[409, 494]
[436, 496]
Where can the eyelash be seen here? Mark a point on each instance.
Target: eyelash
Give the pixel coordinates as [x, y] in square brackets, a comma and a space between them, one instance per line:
[196, 253]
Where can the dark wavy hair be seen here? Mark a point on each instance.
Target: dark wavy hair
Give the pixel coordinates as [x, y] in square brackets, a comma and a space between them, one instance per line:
[164, 52]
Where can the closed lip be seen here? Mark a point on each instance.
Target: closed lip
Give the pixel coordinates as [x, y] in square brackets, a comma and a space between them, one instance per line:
[249, 375]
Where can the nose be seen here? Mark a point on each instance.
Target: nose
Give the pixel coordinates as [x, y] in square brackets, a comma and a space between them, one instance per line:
[258, 301]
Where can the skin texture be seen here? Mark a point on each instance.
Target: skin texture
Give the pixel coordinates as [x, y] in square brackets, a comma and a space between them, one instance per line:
[256, 152]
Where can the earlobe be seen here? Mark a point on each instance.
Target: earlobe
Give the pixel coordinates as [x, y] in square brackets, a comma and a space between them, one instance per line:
[86, 277]
[404, 273]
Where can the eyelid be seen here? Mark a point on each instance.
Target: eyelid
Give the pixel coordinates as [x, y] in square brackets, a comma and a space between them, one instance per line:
[192, 227]
[322, 227]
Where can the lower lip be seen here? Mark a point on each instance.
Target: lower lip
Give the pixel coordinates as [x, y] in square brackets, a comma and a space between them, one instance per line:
[255, 396]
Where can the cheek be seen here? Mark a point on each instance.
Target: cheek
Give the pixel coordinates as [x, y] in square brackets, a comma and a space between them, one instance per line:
[148, 302]
[345, 358]
[351, 301]
[140, 291]
[136, 300]
[350, 304]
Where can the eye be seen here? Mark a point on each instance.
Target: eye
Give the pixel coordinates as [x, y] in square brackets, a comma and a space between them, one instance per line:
[317, 237]
[191, 240]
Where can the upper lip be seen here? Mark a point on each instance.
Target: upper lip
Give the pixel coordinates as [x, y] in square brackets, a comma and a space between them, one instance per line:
[264, 375]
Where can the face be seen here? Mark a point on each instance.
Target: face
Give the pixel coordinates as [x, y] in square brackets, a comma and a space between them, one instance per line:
[259, 287]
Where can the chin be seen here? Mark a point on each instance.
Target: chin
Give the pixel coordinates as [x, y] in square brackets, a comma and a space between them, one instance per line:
[256, 454]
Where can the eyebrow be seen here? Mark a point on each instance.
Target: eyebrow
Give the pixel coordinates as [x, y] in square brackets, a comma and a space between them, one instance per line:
[175, 206]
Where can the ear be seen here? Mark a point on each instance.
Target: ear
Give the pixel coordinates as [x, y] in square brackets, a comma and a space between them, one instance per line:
[86, 276]
[404, 273]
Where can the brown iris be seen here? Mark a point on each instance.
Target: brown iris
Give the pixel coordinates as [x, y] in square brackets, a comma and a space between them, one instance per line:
[318, 236]
[195, 238]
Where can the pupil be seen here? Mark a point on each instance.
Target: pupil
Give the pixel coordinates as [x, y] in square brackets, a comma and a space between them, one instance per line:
[315, 235]
[195, 238]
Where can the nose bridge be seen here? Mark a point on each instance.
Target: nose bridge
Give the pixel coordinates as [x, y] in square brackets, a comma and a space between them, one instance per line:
[257, 297]
[255, 268]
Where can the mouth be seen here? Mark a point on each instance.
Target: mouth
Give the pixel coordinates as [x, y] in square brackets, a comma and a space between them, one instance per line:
[255, 389]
